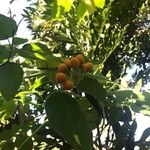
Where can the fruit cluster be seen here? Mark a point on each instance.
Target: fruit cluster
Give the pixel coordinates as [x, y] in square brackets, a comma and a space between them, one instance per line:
[75, 63]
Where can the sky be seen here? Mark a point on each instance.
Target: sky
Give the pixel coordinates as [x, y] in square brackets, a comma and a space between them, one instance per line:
[17, 9]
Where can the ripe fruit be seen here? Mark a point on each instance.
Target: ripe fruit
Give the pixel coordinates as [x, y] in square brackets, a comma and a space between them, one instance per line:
[62, 68]
[80, 58]
[68, 85]
[67, 62]
[87, 67]
[60, 77]
[84, 67]
[74, 62]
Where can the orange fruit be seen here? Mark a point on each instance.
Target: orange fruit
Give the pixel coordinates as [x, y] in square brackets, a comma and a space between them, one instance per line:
[67, 62]
[87, 67]
[60, 77]
[80, 58]
[62, 68]
[84, 67]
[68, 85]
[74, 62]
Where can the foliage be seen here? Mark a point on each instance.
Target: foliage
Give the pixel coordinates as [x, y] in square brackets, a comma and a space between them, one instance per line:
[117, 31]
[36, 111]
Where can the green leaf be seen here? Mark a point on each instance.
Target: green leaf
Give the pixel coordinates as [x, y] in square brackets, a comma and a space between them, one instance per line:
[8, 145]
[19, 141]
[114, 114]
[122, 95]
[37, 48]
[66, 118]
[146, 100]
[60, 7]
[92, 87]
[99, 3]
[52, 63]
[6, 137]
[10, 108]
[38, 51]
[18, 41]
[81, 11]
[85, 7]
[140, 108]
[8, 27]
[90, 6]
[90, 113]
[145, 135]
[142, 103]
[66, 4]
[10, 79]
[7, 109]
[39, 82]
[4, 52]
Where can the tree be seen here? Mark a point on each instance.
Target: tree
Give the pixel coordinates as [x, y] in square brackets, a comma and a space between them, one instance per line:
[122, 20]
[68, 82]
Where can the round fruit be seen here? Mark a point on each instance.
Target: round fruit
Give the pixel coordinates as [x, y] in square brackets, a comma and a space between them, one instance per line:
[80, 58]
[74, 62]
[89, 66]
[68, 85]
[60, 77]
[67, 62]
[62, 68]
[84, 67]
